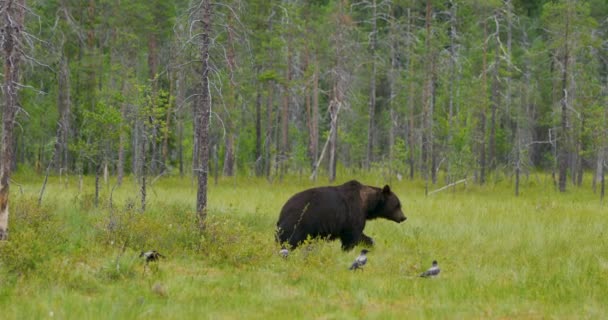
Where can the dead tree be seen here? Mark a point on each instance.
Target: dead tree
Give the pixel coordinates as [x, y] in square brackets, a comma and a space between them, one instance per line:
[204, 110]
[11, 18]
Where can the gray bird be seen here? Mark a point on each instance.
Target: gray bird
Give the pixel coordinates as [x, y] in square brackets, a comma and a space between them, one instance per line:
[151, 256]
[360, 261]
[432, 272]
[284, 252]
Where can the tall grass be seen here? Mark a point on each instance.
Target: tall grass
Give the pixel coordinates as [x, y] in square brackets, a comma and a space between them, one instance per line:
[540, 255]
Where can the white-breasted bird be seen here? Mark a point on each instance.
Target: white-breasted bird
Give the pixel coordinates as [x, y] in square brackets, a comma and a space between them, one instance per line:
[284, 252]
[432, 272]
[151, 256]
[360, 261]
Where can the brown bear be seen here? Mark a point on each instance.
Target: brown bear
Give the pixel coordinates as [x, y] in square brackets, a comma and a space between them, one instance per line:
[336, 212]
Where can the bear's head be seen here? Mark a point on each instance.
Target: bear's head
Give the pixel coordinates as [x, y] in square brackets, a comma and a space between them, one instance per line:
[387, 206]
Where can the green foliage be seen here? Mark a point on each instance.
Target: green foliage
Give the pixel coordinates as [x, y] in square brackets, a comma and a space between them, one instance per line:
[36, 237]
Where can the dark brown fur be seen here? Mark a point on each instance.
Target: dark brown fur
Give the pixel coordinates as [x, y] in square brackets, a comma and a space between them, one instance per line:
[337, 212]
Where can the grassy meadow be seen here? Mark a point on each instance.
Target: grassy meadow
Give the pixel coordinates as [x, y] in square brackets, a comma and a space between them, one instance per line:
[541, 255]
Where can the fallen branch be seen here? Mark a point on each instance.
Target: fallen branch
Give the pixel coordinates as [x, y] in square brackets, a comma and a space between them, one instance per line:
[449, 185]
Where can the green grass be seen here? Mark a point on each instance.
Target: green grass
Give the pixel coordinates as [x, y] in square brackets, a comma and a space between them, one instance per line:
[541, 255]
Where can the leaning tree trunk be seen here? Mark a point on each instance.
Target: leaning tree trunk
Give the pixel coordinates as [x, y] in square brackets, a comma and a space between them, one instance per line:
[202, 127]
[12, 26]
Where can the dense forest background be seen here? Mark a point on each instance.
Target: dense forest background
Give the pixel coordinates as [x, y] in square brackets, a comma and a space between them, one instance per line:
[438, 90]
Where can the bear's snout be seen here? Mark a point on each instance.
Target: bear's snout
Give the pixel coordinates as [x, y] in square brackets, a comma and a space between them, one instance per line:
[399, 216]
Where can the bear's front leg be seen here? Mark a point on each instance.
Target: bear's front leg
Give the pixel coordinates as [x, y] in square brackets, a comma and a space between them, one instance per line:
[349, 240]
[367, 240]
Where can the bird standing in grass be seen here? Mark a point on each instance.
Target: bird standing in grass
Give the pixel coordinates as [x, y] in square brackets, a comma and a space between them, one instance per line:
[432, 272]
[151, 256]
[360, 261]
[284, 252]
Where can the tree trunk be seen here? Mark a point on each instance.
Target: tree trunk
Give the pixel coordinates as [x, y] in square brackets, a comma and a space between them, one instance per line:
[312, 110]
[180, 101]
[259, 168]
[426, 112]
[11, 15]
[285, 118]
[495, 101]
[204, 109]
[410, 100]
[122, 139]
[392, 77]
[314, 136]
[579, 154]
[229, 156]
[482, 113]
[564, 145]
[333, 140]
[372, 92]
[269, 107]
[451, 85]
[63, 103]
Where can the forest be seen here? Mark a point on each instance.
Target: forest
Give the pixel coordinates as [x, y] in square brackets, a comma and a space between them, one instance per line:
[437, 90]
[488, 118]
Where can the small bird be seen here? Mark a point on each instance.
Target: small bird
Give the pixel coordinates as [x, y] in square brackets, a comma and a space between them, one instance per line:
[360, 261]
[432, 272]
[284, 252]
[151, 256]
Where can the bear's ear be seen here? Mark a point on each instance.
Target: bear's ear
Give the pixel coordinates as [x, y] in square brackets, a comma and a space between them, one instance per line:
[386, 189]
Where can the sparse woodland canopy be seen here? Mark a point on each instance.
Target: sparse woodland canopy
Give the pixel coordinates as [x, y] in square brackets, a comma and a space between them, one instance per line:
[437, 90]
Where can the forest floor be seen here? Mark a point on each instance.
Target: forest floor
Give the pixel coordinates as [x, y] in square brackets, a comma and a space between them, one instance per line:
[540, 255]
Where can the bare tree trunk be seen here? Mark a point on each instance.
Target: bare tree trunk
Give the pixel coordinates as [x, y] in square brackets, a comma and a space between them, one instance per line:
[259, 169]
[392, 77]
[63, 103]
[579, 154]
[565, 136]
[122, 140]
[229, 156]
[312, 112]
[269, 107]
[482, 113]
[152, 76]
[204, 108]
[314, 136]
[372, 91]
[142, 170]
[410, 100]
[285, 119]
[97, 173]
[426, 112]
[231, 102]
[195, 146]
[216, 166]
[11, 18]
[165, 147]
[495, 100]
[180, 101]
[340, 85]
[452, 83]
[333, 141]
